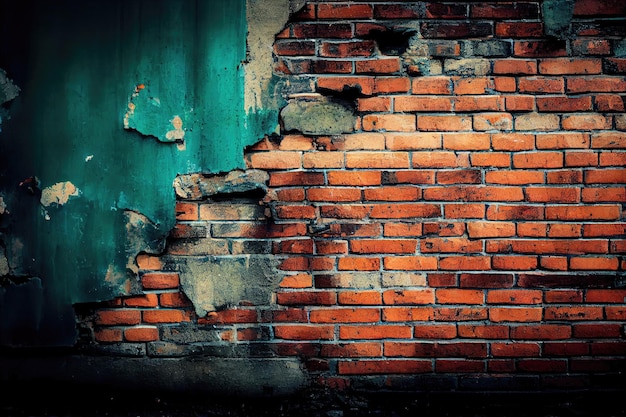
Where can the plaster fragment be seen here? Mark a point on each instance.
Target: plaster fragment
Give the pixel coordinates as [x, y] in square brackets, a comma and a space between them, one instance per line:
[8, 90]
[88, 158]
[58, 194]
[3, 206]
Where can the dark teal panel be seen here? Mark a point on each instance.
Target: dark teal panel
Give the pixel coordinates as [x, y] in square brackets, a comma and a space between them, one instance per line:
[106, 169]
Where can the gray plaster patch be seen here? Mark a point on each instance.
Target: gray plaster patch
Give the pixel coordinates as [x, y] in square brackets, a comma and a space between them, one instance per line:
[214, 282]
[314, 114]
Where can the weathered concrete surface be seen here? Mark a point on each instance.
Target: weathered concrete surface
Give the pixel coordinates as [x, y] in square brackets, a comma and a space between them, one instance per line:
[313, 114]
[227, 376]
[214, 282]
[201, 186]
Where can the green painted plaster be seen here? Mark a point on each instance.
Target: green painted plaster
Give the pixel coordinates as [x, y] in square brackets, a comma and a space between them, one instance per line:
[105, 169]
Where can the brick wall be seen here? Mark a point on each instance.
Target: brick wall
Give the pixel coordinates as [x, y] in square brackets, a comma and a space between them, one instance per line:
[468, 234]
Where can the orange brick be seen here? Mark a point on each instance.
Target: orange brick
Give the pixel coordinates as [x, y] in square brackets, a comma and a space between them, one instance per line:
[571, 213]
[141, 334]
[432, 85]
[459, 296]
[478, 103]
[466, 141]
[435, 331]
[512, 350]
[605, 176]
[164, 316]
[352, 350]
[422, 104]
[520, 103]
[410, 263]
[464, 211]
[146, 300]
[326, 247]
[589, 121]
[402, 229]
[465, 263]
[374, 104]
[378, 66]
[411, 141]
[450, 245]
[345, 315]
[514, 263]
[602, 84]
[392, 193]
[613, 159]
[435, 159]
[552, 195]
[472, 85]
[514, 296]
[332, 194]
[118, 317]
[323, 160]
[573, 313]
[563, 140]
[373, 332]
[403, 211]
[515, 66]
[275, 160]
[360, 298]
[483, 331]
[538, 160]
[607, 195]
[374, 367]
[174, 300]
[366, 246]
[160, 281]
[377, 160]
[594, 264]
[493, 121]
[476, 230]
[515, 314]
[304, 332]
[297, 281]
[186, 211]
[491, 159]
[358, 264]
[562, 66]
[537, 122]
[148, 262]
[514, 177]
[444, 123]
[565, 230]
[542, 85]
[389, 122]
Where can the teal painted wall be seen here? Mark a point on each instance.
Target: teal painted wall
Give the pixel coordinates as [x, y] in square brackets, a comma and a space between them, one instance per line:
[79, 64]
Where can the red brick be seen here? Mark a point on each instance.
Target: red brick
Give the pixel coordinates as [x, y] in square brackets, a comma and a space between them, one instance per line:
[605, 8]
[604, 84]
[392, 193]
[450, 245]
[432, 85]
[294, 48]
[541, 332]
[514, 263]
[466, 141]
[378, 66]
[325, 247]
[347, 49]
[444, 229]
[389, 122]
[515, 66]
[409, 297]
[295, 212]
[186, 211]
[358, 264]
[563, 66]
[304, 332]
[594, 264]
[609, 195]
[422, 104]
[396, 11]
[402, 229]
[345, 315]
[329, 194]
[340, 11]
[279, 179]
[403, 211]
[515, 314]
[520, 103]
[360, 298]
[275, 160]
[491, 159]
[322, 30]
[464, 211]
[444, 123]
[589, 121]
[352, 350]
[467, 263]
[564, 296]
[541, 85]
[363, 84]
[434, 159]
[373, 332]
[563, 140]
[411, 263]
[596, 330]
[141, 334]
[515, 212]
[174, 300]
[374, 367]
[563, 104]
[552, 195]
[472, 85]
[565, 348]
[515, 350]
[606, 296]
[538, 160]
[570, 213]
[459, 296]
[573, 313]
[146, 300]
[539, 48]
[366, 246]
[404, 314]
[373, 104]
[389, 85]
[478, 331]
[435, 331]
[459, 314]
[613, 159]
[514, 177]
[118, 317]
[490, 229]
[514, 297]
[307, 298]
[519, 29]
[493, 121]
[504, 10]
[164, 316]
[345, 211]
[474, 193]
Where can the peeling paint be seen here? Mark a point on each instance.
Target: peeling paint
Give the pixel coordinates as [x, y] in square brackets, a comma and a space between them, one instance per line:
[59, 194]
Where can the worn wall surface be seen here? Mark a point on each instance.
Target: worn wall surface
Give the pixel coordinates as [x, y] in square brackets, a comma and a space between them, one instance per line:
[439, 209]
[104, 104]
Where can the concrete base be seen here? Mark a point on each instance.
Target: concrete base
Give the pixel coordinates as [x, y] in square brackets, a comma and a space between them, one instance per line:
[242, 377]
